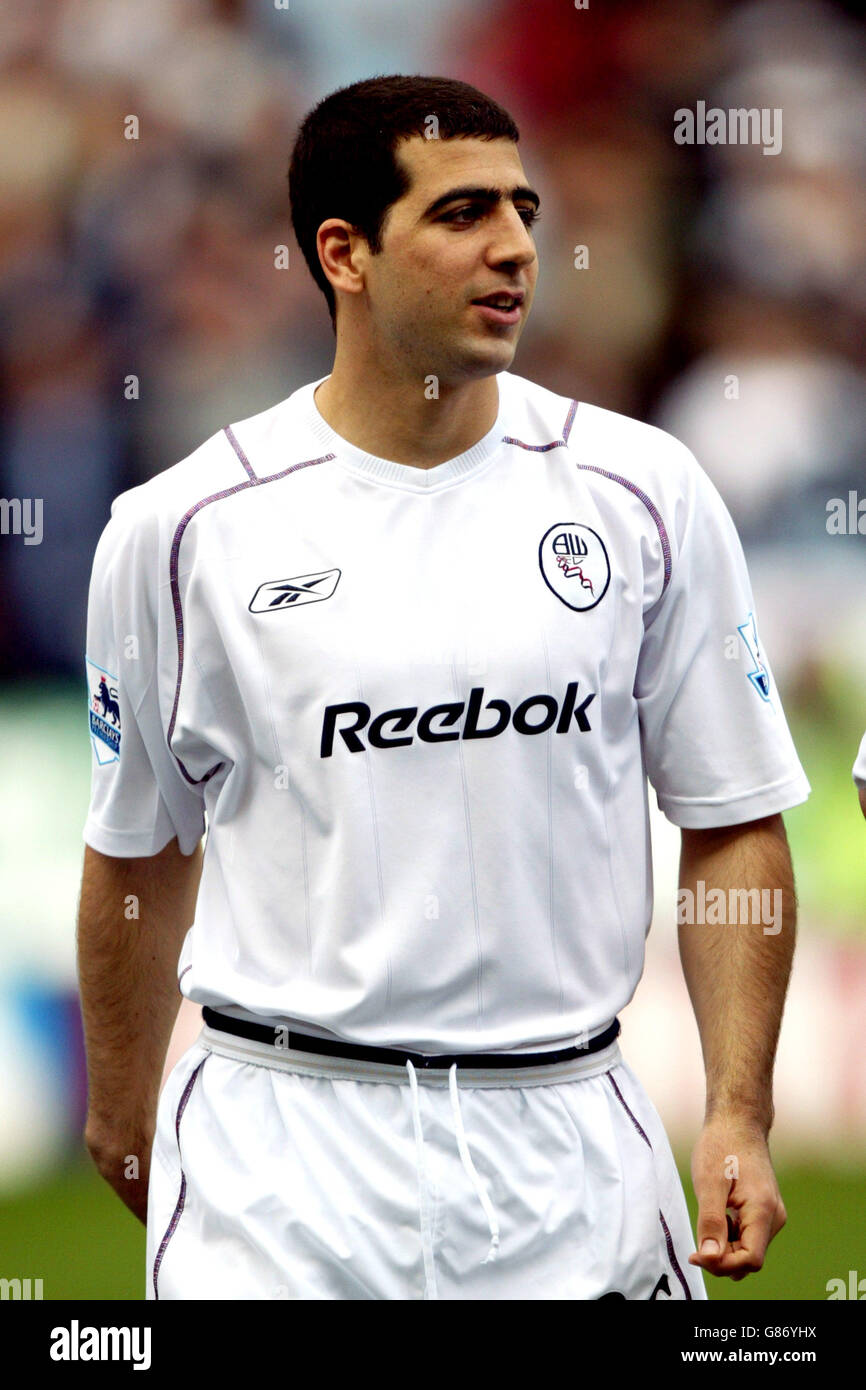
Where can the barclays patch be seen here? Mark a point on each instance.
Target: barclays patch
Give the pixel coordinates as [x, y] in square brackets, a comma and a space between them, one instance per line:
[104, 712]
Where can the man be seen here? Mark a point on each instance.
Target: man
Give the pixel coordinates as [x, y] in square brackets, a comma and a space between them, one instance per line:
[412, 640]
[858, 773]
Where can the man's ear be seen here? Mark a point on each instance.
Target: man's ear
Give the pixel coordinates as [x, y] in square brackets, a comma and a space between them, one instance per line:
[338, 243]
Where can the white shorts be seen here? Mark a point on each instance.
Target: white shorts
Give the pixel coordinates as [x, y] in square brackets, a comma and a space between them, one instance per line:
[294, 1176]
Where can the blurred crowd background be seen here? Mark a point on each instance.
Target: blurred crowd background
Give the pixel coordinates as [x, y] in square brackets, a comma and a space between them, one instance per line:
[724, 300]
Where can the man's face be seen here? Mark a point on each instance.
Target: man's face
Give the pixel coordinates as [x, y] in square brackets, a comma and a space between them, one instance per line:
[442, 249]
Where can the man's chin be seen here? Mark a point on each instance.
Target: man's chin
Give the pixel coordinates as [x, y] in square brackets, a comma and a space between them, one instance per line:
[480, 359]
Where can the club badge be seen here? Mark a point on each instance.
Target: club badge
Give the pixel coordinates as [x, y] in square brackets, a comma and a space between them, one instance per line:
[575, 564]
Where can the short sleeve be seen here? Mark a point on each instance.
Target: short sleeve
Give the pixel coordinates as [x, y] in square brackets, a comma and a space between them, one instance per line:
[717, 747]
[139, 800]
[859, 769]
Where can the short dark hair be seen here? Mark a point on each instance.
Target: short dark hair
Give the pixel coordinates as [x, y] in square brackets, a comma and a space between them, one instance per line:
[344, 164]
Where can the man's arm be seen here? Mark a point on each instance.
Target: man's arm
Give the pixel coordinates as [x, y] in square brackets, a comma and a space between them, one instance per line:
[737, 976]
[133, 916]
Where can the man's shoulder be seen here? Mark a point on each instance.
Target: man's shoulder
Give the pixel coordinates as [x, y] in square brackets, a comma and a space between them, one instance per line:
[168, 494]
[633, 449]
[599, 439]
[216, 468]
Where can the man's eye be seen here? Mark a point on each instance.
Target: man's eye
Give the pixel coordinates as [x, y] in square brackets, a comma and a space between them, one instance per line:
[472, 212]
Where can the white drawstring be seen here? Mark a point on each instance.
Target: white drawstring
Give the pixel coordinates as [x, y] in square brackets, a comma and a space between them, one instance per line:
[462, 1145]
[430, 1290]
[466, 1159]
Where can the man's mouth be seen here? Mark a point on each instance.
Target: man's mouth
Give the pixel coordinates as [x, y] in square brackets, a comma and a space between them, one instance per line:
[501, 299]
[501, 306]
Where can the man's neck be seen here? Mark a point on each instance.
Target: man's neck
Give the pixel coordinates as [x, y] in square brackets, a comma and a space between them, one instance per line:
[398, 419]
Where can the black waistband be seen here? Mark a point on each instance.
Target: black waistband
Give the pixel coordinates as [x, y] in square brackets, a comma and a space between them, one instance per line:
[279, 1038]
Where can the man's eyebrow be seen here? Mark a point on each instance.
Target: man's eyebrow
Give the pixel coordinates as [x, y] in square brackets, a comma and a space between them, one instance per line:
[481, 195]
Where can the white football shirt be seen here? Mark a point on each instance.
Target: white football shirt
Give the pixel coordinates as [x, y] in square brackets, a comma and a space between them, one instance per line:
[859, 769]
[417, 708]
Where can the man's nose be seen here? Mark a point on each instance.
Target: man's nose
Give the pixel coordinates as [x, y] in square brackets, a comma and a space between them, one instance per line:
[513, 240]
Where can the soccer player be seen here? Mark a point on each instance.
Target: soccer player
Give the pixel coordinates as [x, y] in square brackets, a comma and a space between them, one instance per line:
[859, 774]
[408, 644]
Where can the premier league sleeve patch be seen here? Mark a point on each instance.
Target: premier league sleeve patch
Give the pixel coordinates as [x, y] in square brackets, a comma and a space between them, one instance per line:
[759, 675]
[104, 711]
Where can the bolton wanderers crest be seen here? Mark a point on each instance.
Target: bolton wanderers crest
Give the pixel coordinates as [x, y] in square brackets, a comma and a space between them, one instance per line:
[575, 564]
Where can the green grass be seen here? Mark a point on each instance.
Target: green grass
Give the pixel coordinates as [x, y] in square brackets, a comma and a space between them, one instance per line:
[827, 833]
[822, 1240]
[74, 1234]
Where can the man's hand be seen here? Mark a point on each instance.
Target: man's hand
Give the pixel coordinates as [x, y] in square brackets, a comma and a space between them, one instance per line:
[737, 975]
[114, 1159]
[133, 916]
[732, 1173]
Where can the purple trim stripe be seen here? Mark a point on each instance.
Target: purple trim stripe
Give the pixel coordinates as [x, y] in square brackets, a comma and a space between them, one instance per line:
[672, 1254]
[621, 1098]
[252, 481]
[651, 508]
[232, 439]
[554, 444]
[176, 1215]
[533, 448]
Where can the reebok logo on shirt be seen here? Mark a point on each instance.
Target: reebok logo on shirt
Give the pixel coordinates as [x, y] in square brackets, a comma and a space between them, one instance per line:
[279, 594]
[534, 715]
